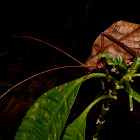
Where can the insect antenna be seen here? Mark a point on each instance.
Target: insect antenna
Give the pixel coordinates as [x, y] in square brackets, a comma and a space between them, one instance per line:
[63, 67]
[36, 39]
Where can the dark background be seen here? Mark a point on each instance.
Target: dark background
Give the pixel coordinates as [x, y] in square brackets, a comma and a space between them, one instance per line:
[72, 26]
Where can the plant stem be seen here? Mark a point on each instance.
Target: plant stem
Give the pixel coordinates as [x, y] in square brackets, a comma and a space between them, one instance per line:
[101, 119]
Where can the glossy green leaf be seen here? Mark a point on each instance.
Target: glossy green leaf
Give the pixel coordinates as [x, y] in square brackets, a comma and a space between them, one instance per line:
[47, 117]
[115, 61]
[131, 92]
[76, 130]
[135, 65]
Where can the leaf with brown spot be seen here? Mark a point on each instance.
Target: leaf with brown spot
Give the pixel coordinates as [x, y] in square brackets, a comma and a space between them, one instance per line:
[60, 89]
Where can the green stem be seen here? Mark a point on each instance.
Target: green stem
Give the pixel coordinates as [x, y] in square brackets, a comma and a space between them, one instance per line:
[97, 100]
[131, 102]
[101, 75]
[101, 119]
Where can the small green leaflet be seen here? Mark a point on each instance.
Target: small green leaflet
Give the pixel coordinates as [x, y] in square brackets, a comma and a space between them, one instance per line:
[46, 118]
[135, 65]
[131, 92]
[115, 61]
[104, 54]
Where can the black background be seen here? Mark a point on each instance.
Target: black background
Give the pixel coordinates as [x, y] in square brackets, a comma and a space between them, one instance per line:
[69, 26]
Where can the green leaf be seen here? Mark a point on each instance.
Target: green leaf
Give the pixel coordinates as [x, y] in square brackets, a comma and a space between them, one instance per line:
[47, 117]
[76, 130]
[104, 54]
[135, 65]
[115, 61]
[131, 92]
